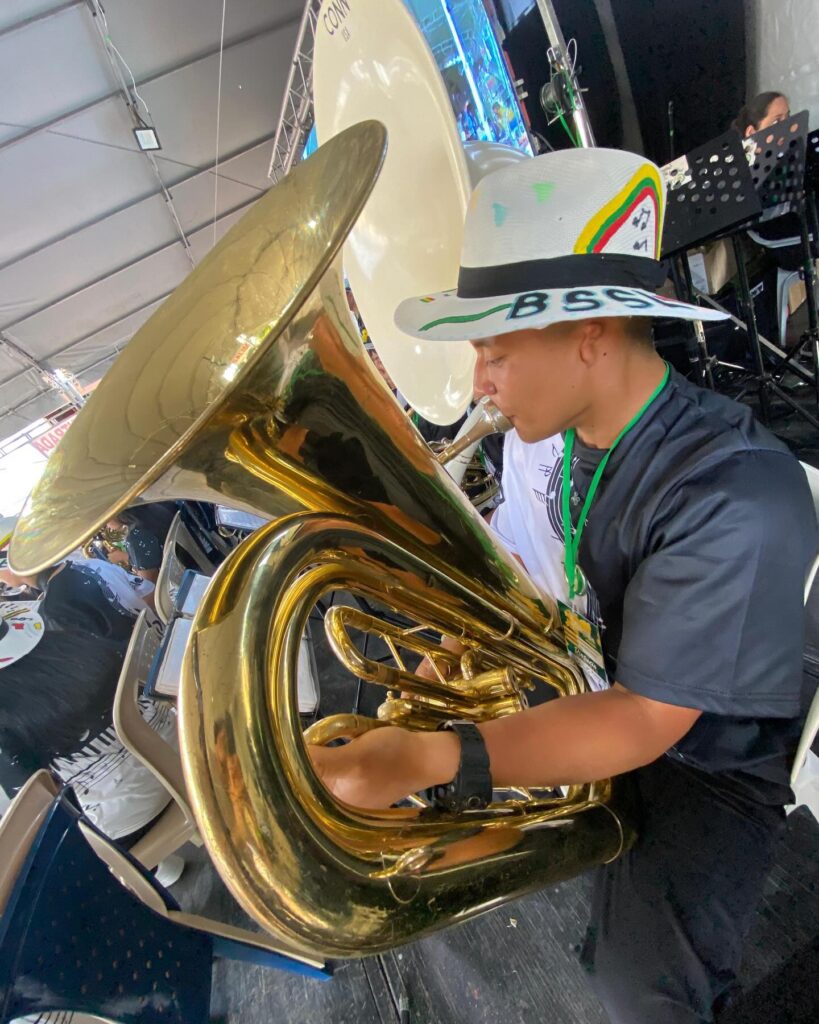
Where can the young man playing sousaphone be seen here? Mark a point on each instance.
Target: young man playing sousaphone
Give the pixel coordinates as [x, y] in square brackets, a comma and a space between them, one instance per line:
[694, 529]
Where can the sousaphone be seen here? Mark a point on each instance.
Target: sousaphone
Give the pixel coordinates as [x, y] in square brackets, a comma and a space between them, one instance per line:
[374, 62]
[250, 387]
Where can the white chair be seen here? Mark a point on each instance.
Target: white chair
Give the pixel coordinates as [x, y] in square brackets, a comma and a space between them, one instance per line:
[172, 569]
[804, 771]
[784, 280]
[19, 827]
[176, 825]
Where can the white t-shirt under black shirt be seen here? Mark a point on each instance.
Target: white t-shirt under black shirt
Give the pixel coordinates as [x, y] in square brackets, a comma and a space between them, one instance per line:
[529, 523]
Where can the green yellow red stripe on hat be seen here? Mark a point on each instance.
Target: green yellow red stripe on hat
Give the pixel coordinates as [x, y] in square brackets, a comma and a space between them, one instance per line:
[644, 185]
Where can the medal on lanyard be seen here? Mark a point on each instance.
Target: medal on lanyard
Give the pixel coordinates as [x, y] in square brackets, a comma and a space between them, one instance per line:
[572, 537]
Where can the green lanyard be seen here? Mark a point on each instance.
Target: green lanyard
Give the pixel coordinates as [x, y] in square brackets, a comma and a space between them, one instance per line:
[574, 577]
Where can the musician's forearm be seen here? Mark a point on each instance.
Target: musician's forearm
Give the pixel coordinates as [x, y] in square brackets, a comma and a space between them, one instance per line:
[574, 739]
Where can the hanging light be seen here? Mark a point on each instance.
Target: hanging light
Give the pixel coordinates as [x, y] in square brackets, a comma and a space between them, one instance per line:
[146, 136]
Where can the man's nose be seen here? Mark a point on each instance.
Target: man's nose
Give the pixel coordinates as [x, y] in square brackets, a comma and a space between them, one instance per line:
[481, 384]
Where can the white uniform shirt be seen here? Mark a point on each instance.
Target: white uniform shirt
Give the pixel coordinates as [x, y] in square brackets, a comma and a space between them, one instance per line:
[529, 523]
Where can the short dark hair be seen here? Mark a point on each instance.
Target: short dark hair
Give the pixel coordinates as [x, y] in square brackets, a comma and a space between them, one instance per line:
[640, 329]
[754, 111]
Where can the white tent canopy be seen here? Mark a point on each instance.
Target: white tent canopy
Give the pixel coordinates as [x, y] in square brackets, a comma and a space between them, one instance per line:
[90, 245]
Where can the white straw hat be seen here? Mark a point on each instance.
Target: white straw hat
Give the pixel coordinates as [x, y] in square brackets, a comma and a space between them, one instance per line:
[21, 629]
[565, 236]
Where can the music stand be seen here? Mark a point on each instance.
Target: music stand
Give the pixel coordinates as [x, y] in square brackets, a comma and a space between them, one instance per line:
[812, 186]
[710, 193]
[775, 179]
[765, 180]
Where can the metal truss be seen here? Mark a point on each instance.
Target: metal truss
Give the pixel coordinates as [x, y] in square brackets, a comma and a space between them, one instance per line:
[296, 118]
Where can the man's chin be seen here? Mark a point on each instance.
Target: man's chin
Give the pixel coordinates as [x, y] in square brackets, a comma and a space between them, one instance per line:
[529, 434]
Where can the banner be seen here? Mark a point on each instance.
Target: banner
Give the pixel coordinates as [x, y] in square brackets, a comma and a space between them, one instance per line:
[47, 442]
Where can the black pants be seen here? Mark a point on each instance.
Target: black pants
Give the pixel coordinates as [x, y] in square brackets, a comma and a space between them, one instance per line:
[668, 918]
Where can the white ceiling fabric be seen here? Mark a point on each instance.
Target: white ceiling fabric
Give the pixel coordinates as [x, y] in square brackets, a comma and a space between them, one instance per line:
[88, 246]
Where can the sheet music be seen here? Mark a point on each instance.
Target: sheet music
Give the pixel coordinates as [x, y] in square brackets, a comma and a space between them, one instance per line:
[169, 672]
[308, 689]
[677, 173]
[194, 585]
[236, 520]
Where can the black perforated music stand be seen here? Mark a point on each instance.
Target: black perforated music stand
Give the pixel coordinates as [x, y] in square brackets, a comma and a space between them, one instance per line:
[774, 179]
[812, 186]
[778, 170]
[710, 193]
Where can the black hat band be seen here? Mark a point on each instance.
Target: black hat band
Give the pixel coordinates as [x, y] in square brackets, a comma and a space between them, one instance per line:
[575, 271]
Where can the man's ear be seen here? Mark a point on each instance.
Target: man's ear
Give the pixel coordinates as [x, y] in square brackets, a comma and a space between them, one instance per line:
[592, 336]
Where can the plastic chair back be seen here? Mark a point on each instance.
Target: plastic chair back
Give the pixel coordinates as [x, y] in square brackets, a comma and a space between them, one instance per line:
[172, 569]
[72, 938]
[85, 929]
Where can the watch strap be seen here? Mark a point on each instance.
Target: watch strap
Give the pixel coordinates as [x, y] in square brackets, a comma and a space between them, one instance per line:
[471, 789]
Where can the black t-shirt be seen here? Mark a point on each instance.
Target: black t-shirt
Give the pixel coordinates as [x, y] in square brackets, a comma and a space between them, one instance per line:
[148, 526]
[75, 600]
[698, 544]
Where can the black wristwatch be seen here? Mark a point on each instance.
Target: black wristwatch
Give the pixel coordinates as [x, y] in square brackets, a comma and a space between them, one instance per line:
[471, 789]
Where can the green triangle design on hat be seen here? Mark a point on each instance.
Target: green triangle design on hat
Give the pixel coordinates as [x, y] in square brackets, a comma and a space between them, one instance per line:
[543, 190]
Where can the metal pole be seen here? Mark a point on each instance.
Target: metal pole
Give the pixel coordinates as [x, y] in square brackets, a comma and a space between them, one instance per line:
[700, 357]
[56, 379]
[98, 19]
[746, 301]
[296, 117]
[581, 118]
[810, 295]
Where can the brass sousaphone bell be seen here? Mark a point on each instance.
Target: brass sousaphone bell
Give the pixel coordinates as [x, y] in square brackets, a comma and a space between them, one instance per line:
[250, 387]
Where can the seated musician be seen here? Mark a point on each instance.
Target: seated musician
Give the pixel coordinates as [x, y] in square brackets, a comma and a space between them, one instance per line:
[782, 233]
[56, 709]
[88, 595]
[763, 111]
[146, 527]
[694, 527]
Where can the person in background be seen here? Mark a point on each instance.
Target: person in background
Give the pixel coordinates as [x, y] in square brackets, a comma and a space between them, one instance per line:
[10, 587]
[782, 233]
[125, 590]
[764, 110]
[147, 527]
[88, 596]
[56, 713]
